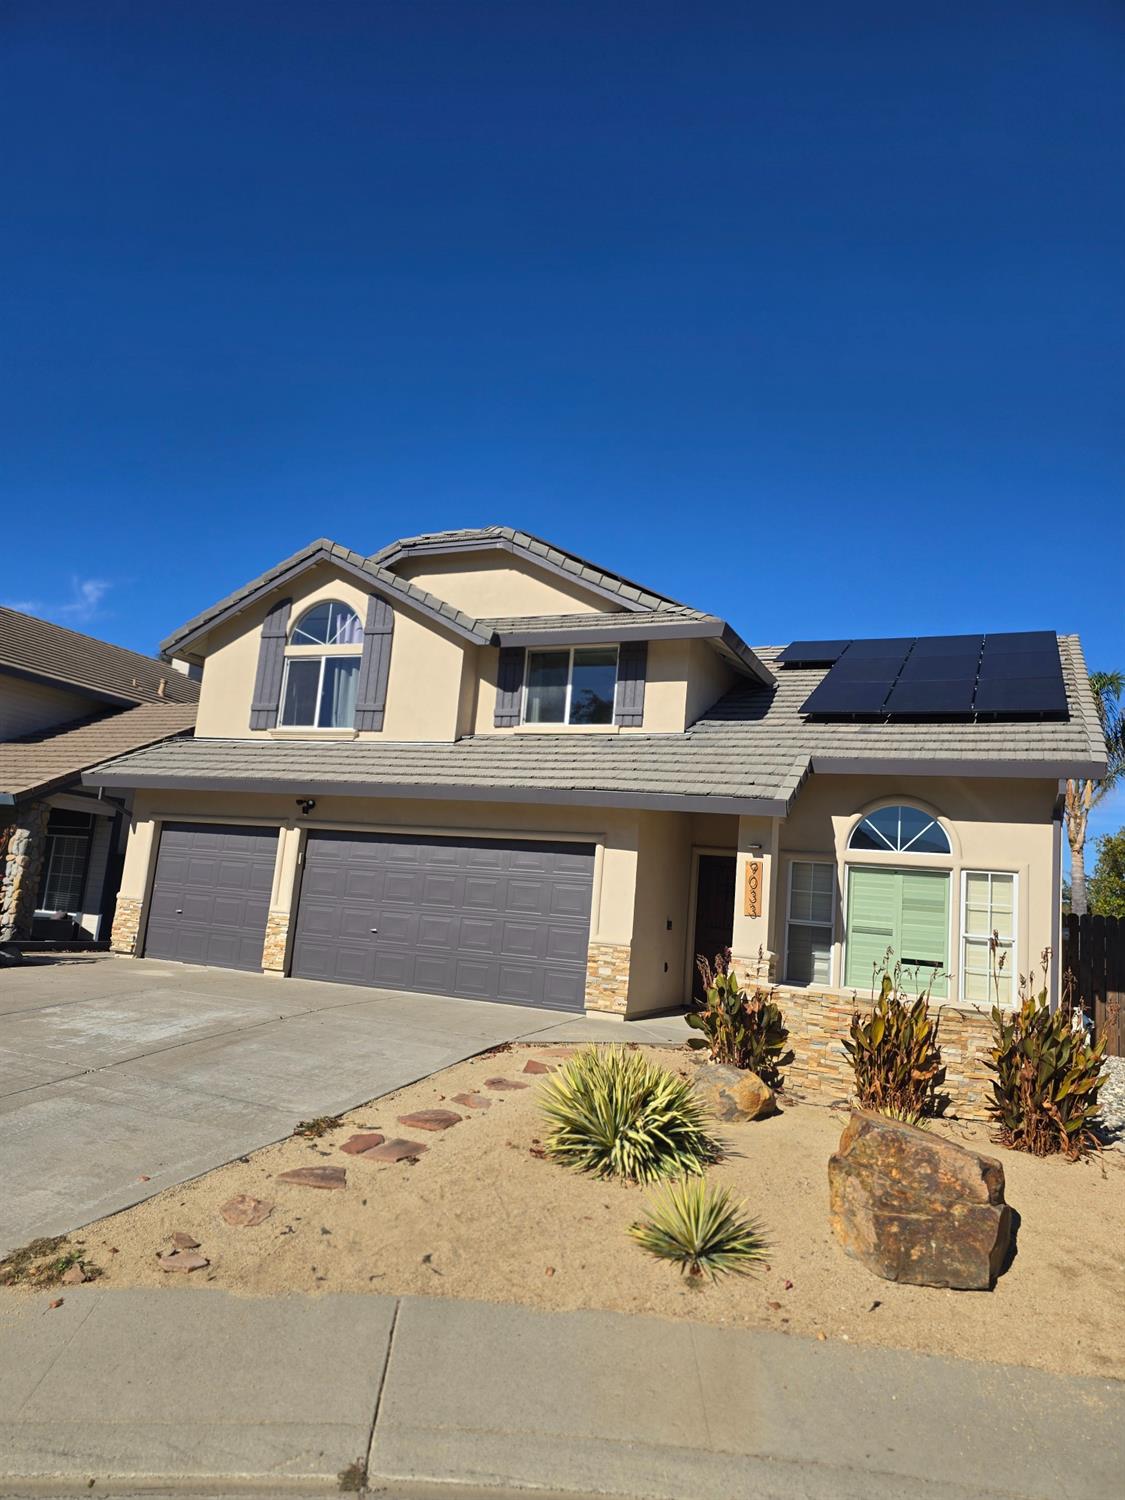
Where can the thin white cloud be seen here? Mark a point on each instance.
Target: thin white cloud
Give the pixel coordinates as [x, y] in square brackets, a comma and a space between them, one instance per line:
[83, 606]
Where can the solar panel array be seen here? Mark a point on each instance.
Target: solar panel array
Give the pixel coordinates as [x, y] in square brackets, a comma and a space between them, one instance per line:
[1014, 674]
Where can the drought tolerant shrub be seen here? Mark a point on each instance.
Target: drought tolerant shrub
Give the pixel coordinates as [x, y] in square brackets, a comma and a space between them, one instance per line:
[616, 1114]
[746, 1031]
[894, 1050]
[1045, 1092]
[702, 1229]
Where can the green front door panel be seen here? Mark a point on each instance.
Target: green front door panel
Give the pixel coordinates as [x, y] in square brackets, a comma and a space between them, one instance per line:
[905, 910]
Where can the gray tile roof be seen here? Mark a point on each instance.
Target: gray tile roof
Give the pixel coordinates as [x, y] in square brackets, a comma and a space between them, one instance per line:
[631, 595]
[751, 752]
[44, 650]
[595, 624]
[35, 765]
[321, 550]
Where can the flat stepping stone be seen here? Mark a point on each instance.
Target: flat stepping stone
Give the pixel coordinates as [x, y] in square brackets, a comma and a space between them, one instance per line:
[397, 1150]
[367, 1140]
[430, 1119]
[184, 1241]
[243, 1211]
[500, 1084]
[533, 1065]
[182, 1260]
[473, 1101]
[315, 1177]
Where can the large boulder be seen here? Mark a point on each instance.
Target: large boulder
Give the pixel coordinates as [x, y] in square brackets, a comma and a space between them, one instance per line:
[733, 1093]
[915, 1207]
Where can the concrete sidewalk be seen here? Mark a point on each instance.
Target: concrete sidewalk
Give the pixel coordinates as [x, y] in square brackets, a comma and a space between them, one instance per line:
[199, 1390]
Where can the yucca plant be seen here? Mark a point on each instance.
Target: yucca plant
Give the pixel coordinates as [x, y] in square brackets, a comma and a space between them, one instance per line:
[746, 1031]
[702, 1230]
[615, 1114]
[1045, 1092]
[894, 1050]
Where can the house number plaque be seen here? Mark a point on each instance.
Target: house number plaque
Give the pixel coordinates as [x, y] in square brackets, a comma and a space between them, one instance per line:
[753, 907]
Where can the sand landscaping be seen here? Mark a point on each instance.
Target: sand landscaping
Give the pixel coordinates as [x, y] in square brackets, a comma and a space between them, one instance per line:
[480, 1214]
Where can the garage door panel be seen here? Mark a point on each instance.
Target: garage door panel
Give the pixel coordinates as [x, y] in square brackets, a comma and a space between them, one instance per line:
[490, 918]
[210, 896]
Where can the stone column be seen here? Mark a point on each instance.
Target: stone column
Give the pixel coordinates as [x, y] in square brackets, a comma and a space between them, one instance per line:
[611, 924]
[129, 906]
[754, 942]
[276, 945]
[22, 844]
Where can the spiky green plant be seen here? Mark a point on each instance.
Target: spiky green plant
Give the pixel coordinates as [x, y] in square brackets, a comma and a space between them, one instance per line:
[702, 1230]
[615, 1114]
[746, 1031]
[1045, 1092]
[894, 1050]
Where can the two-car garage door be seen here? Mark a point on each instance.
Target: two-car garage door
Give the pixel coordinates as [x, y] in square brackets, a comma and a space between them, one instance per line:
[494, 919]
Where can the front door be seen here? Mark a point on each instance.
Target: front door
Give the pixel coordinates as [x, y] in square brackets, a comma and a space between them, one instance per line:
[714, 911]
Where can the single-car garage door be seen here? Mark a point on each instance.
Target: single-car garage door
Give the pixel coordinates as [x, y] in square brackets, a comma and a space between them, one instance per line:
[488, 919]
[211, 894]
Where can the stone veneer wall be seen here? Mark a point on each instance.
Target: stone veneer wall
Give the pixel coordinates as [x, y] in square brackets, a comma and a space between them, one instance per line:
[277, 936]
[607, 977]
[126, 926]
[818, 1024]
[22, 844]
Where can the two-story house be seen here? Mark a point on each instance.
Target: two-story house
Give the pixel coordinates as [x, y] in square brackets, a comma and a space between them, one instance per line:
[478, 765]
[67, 701]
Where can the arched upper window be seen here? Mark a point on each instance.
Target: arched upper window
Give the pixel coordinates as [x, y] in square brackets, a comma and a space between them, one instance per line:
[322, 668]
[900, 830]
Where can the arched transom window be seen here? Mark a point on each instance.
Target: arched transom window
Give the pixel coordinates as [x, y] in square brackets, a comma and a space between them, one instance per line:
[322, 668]
[900, 830]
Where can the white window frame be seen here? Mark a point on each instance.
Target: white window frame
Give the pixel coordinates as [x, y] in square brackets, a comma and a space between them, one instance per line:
[790, 920]
[952, 935]
[935, 822]
[321, 654]
[564, 722]
[1011, 943]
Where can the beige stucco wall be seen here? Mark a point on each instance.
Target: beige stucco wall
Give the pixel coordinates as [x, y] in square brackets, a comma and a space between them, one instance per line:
[487, 584]
[993, 824]
[424, 692]
[662, 910]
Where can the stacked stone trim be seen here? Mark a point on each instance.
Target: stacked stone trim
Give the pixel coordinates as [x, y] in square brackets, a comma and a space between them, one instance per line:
[607, 977]
[277, 937]
[754, 969]
[126, 926]
[22, 842]
[818, 1025]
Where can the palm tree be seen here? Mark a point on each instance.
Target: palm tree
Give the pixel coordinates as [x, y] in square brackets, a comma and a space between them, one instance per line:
[1082, 795]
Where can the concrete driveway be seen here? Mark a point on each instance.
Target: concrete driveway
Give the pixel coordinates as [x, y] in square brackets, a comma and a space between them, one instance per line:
[121, 1076]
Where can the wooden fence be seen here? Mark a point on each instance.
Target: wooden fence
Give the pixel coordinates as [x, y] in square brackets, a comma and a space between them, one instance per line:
[1094, 974]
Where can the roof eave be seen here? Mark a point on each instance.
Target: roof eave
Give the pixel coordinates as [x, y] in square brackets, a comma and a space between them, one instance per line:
[1057, 769]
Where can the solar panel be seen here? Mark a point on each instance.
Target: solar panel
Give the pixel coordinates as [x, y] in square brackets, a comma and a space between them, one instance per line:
[1021, 695]
[867, 668]
[896, 646]
[948, 645]
[1002, 664]
[812, 653]
[1022, 640]
[846, 699]
[935, 699]
[939, 668]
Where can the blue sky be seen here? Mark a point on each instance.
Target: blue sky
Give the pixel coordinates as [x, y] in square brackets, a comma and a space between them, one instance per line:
[811, 314]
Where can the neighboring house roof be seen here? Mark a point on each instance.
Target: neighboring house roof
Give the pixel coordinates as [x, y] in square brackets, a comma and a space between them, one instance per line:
[621, 590]
[657, 624]
[36, 648]
[378, 579]
[750, 753]
[43, 762]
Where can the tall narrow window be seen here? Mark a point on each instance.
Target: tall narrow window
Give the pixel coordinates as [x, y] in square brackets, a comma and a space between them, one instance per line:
[989, 908]
[322, 669]
[65, 862]
[812, 890]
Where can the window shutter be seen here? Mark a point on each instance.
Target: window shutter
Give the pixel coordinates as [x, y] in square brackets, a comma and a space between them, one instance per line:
[631, 662]
[509, 687]
[375, 664]
[271, 664]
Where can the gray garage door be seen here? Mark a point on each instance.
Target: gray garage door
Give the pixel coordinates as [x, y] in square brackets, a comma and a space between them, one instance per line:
[484, 918]
[211, 894]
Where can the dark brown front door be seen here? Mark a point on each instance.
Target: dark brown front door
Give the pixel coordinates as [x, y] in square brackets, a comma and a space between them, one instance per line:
[714, 911]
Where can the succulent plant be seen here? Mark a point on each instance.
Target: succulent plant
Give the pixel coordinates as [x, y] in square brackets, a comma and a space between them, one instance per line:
[702, 1229]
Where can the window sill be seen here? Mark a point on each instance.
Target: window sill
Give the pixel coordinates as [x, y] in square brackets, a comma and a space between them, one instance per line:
[312, 734]
[567, 728]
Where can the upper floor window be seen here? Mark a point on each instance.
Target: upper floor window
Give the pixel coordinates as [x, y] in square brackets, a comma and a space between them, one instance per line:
[900, 830]
[571, 686]
[322, 669]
